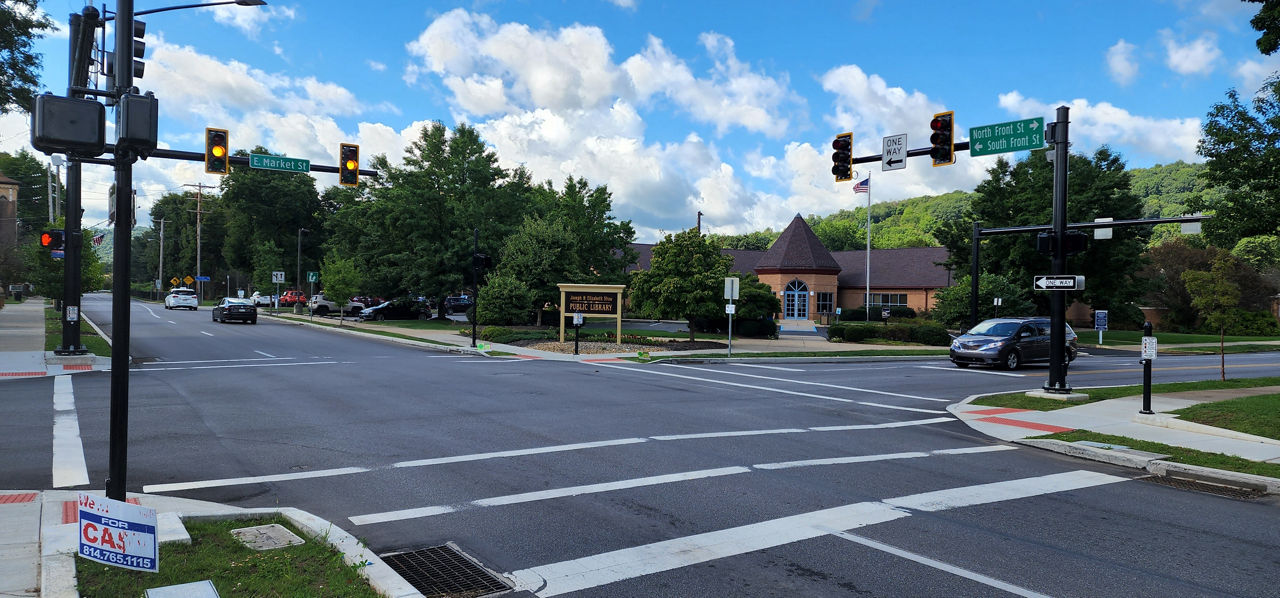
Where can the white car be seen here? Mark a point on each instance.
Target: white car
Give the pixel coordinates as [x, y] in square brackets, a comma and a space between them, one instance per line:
[321, 306]
[260, 300]
[181, 297]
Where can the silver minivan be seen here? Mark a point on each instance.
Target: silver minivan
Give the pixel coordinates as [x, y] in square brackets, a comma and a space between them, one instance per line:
[1008, 343]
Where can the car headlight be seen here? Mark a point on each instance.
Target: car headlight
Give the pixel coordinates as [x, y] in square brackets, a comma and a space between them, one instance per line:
[955, 343]
[995, 345]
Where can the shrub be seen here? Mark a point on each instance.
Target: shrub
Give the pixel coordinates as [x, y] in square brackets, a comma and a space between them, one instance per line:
[1250, 323]
[859, 314]
[924, 333]
[504, 301]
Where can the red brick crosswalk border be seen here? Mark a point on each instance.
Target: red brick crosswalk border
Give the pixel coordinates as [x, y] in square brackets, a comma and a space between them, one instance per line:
[71, 514]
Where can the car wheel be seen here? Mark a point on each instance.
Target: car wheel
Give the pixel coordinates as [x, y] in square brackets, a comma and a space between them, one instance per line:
[253, 321]
[322, 311]
[1012, 360]
[379, 317]
[1071, 354]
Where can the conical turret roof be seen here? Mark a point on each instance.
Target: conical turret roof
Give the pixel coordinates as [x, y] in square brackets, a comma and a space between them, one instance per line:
[797, 249]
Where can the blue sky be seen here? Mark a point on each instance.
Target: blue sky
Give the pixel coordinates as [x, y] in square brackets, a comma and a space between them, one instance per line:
[678, 107]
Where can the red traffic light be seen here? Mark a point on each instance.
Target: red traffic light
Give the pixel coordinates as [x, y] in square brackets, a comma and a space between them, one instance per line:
[942, 139]
[842, 158]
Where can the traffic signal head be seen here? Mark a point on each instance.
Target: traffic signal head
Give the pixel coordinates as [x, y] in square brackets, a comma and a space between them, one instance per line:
[842, 158]
[348, 164]
[943, 138]
[52, 239]
[215, 151]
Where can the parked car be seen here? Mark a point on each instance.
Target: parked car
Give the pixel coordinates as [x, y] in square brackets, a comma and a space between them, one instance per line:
[235, 308]
[260, 300]
[461, 303]
[1008, 343]
[399, 309]
[321, 306]
[181, 297]
[292, 297]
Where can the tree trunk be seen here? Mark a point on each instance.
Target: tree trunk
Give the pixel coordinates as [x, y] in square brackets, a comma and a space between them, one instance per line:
[1222, 351]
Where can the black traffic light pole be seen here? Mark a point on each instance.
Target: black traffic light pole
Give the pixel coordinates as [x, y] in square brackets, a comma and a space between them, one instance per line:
[1057, 382]
[124, 158]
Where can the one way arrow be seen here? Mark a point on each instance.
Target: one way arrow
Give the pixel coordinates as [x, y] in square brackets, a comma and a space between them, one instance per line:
[891, 162]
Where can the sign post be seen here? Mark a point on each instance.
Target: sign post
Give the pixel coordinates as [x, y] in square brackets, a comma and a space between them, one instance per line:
[114, 532]
[1100, 322]
[278, 277]
[1148, 355]
[730, 293]
[577, 330]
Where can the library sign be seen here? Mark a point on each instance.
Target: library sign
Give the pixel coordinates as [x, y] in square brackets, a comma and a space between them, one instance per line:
[591, 300]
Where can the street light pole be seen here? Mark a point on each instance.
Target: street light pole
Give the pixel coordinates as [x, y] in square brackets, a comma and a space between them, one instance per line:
[298, 264]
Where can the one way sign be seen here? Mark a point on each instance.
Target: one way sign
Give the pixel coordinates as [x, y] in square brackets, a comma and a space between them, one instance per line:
[1048, 282]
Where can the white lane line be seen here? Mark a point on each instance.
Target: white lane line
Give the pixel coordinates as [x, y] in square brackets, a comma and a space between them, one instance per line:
[431, 511]
[512, 499]
[914, 422]
[153, 314]
[282, 477]
[885, 457]
[766, 367]
[267, 355]
[69, 468]
[172, 322]
[206, 333]
[518, 452]
[969, 370]
[809, 383]
[729, 434]
[222, 360]
[243, 365]
[502, 454]
[941, 566]
[596, 570]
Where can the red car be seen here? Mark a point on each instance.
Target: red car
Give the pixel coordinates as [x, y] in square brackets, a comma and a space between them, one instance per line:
[291, 298]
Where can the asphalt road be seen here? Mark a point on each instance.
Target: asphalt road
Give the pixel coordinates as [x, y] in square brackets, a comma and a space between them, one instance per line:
[816, 479]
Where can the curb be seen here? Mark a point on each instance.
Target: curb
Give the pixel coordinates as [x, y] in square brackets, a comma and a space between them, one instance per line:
[1165, 420]
[425, 345]
[58, 550]
[1158, 467]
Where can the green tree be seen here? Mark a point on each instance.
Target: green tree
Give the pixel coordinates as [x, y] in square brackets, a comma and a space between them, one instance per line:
[1262, 252]
[758, 241]
[1241, 148]
[262, 205]
[265, 260]
[46, 273]
[1267, 22]
[504, 301]
[1165, 286]
[21, 23]
[603, 244]
[542, 254]
[685, 279]
[1215, 295]
[1021, 195]
[341, 280]
[951, 304]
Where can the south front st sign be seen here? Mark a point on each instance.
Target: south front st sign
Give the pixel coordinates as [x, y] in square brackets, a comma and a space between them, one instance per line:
[591, 303]
[266, 162]
[1012, 136]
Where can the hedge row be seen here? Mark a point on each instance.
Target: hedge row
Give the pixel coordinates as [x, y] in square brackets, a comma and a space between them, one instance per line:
[927, 333]
[859, 314]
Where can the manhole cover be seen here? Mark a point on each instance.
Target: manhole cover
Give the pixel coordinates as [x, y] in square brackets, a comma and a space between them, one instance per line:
[266, 537]
[444, 571]
[1220, 490]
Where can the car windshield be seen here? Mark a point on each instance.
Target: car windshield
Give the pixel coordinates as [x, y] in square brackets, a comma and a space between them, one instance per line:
[238, 302]
[183, 292]
[990, 328]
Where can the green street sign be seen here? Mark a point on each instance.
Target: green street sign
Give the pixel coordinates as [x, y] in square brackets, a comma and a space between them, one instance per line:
[1015, 136]
[265, 162]
[313, 276]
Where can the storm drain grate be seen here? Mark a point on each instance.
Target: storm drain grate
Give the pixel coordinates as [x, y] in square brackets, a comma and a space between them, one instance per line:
[1218, 489]
[444, 571]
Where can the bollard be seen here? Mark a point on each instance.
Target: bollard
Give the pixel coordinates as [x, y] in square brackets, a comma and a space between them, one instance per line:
[1146, 377]
[577, 330]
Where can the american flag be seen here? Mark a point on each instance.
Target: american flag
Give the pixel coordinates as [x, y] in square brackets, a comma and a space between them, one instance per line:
[863, 186]
[97, 239]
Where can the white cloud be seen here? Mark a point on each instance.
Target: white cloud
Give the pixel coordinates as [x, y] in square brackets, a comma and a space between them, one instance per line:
[374, 65]
[1253, 73]
[627, 4]
[1120, 62]
[250, 19]
[1095, 124]
[1195, 58]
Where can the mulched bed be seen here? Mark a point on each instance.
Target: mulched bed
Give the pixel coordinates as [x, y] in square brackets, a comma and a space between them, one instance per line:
[597, 347]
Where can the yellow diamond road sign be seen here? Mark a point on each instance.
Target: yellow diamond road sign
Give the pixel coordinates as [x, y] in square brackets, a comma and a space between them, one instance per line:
[174, 281]
[188, 280]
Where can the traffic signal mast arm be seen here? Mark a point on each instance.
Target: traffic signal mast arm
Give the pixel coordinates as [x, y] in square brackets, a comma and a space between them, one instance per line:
[1044, 228]
[170, 154]
[924, 151]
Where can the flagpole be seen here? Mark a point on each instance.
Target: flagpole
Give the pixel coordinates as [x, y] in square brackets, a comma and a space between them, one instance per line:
[867, 302]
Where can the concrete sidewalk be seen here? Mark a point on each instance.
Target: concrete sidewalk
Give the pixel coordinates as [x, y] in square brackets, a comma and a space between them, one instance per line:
[22, 353]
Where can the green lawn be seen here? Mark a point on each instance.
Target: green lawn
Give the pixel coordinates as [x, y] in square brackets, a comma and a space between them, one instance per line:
[1019, 400]
[861, 353]
[1259, 415]
[1228, 349]
[311, 569]
[1176, 454]
[90, 339]
[1134, 337]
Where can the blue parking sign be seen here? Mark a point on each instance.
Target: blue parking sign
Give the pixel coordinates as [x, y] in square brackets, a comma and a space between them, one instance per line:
[1100, 319]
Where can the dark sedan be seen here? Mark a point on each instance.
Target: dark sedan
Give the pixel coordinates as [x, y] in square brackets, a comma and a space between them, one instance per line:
[400, 309]
[233, 308]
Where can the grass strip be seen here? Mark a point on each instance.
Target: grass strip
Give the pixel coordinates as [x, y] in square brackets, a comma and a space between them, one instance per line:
[1229, 349]
[311, 569]
[1257, 415]
[376, 332]
[1019, 400]
[1134, 337]
[88, 337]
[1176, 454]
[859, 353]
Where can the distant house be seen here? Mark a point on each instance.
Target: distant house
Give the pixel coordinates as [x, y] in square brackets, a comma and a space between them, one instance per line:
[8, 216]
[811, 281]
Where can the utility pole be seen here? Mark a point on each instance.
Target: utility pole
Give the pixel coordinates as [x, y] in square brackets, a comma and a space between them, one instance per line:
[699, 221]
[1057, 135]
[160, 275]
[199, 211]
